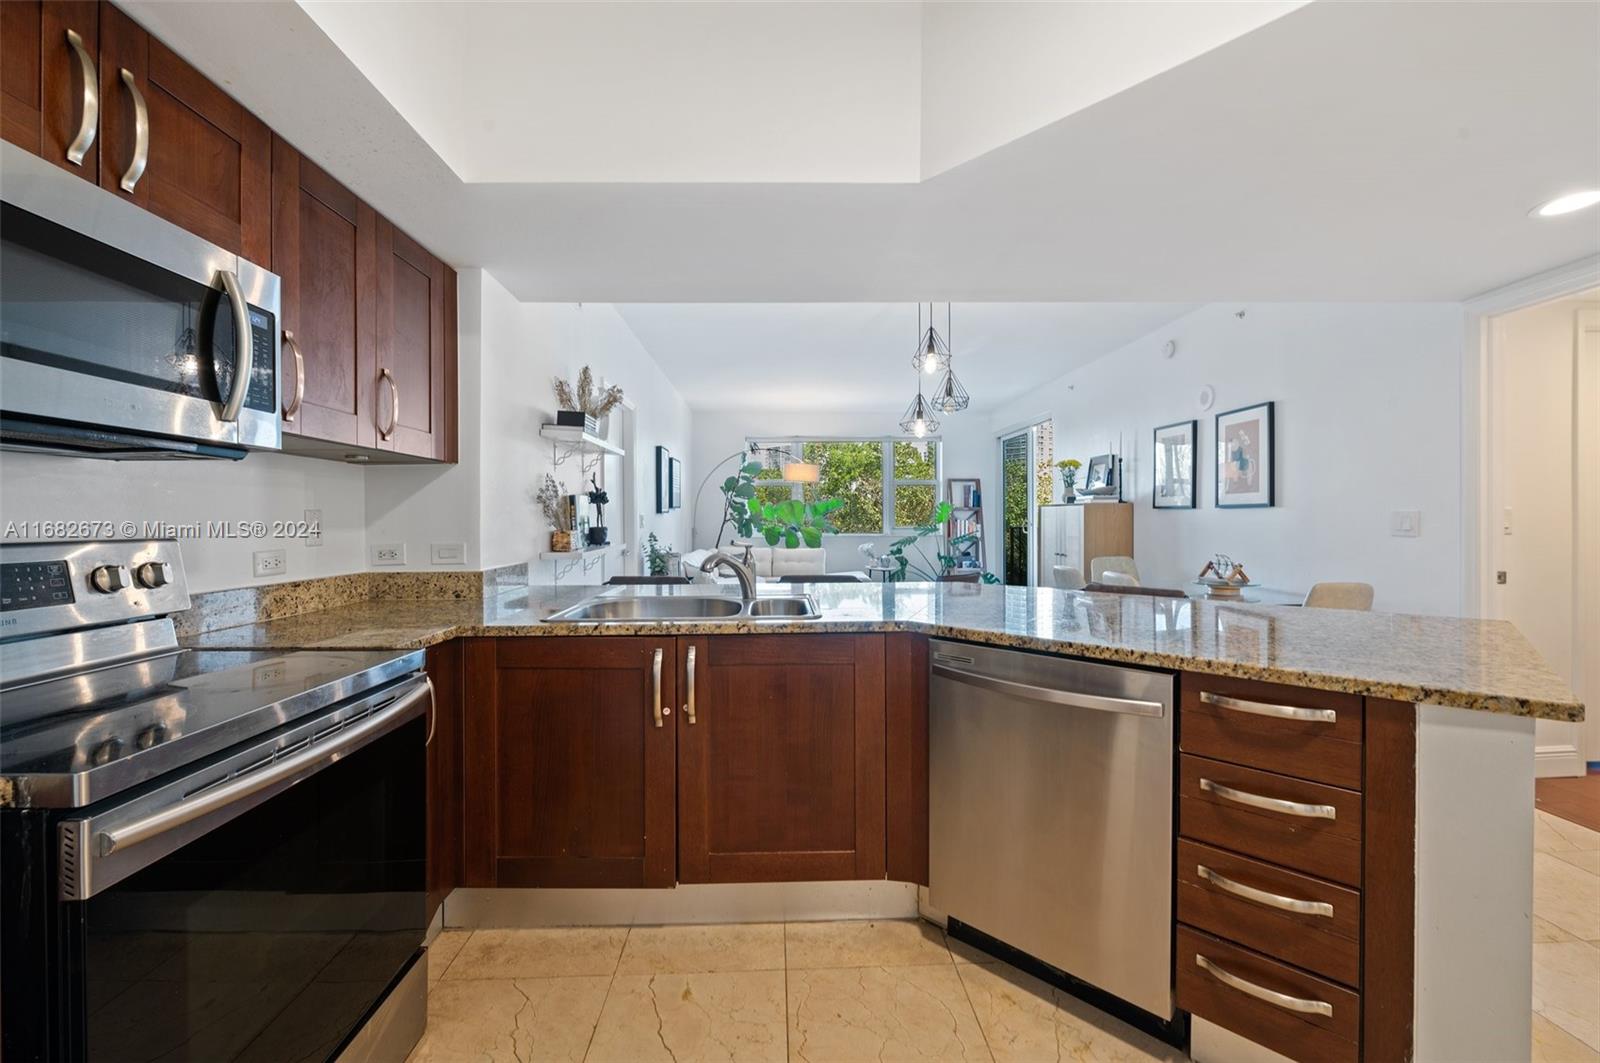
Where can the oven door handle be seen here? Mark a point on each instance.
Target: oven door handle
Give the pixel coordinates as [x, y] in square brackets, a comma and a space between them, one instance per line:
[276, 775]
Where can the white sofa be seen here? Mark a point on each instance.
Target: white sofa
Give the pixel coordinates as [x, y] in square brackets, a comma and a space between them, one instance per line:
[770, 562]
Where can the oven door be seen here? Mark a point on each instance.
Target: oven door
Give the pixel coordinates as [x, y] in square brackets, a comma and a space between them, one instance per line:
[258, 909]
[113, 318]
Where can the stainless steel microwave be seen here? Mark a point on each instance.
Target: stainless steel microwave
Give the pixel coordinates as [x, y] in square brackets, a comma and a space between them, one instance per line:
[123, 335]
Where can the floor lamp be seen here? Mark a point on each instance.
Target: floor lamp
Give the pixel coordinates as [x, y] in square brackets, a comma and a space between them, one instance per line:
[794, 472]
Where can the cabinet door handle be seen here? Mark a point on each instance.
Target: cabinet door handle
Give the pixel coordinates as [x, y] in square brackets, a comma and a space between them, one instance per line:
[688, 707]
[655, 676]
[1270, 996]
[1271, 900]
[299, 377]
[1261, 708]
[394, 405]
[90, 123]
[1271, 804]
[141, 134]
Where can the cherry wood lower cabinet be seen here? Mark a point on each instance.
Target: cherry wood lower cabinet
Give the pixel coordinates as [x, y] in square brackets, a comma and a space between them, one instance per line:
[444, 666]
[570, 761]
[781, 758]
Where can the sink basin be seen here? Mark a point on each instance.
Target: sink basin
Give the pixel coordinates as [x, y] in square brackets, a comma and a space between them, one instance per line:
[787, 607]
[644, 609]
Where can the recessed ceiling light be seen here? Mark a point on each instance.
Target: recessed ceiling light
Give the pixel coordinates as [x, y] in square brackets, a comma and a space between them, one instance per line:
[1567, 204]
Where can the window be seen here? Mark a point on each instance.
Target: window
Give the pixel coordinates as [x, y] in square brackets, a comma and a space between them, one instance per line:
[872, 477]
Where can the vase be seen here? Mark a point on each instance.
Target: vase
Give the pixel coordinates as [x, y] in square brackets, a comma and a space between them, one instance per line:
[560, 542]
[597, 535]
[1069, 485]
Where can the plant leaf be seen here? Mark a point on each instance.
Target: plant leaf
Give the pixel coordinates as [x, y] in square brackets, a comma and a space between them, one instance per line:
[812, 536]
[790, 539]
[771, 534]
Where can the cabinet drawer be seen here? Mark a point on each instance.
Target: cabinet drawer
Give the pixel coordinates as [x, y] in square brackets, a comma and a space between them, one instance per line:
[1302, 825]
[1292, 917]
[1285, 1009]
[1311, 734]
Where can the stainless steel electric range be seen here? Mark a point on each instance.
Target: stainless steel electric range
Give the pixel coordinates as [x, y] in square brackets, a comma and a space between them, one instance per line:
[203, 855]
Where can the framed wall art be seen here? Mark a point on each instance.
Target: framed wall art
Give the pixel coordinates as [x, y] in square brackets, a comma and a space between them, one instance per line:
[1246, 461]
[1174, 461]
[663, 480]
[674, 484]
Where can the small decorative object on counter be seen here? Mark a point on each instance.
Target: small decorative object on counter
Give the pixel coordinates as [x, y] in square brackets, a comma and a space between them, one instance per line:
[596, 535]
[1223, 577]
[583, 406]
[552, 499]
[1069, 478]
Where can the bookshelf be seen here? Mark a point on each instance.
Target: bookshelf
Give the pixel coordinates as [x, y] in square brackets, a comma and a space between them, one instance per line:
[966, 518]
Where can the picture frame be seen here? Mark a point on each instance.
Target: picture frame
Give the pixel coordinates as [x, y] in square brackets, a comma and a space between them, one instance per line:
[663, 480]
[1100, 477]
[1246, 458]
[1175, 486]
[674, 484]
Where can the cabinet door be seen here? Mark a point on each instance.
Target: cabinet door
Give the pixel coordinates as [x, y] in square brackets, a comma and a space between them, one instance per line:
[444, 773]
[42, 100]
[569, 774]
[324, 249]
[207, 161]
[781, 764]
[410, 390]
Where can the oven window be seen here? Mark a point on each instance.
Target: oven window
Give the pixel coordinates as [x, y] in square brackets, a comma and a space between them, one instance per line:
[269, 938]
[72, 303]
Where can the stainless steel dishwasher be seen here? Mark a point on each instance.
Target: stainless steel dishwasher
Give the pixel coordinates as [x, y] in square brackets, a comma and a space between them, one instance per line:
[1050, 812]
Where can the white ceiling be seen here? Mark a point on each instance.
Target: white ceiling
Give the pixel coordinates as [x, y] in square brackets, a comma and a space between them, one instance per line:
[1344, 151]
[857, 356]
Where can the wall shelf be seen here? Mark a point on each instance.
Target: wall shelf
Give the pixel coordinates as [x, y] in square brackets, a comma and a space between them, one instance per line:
[572, 555]
[569, 441]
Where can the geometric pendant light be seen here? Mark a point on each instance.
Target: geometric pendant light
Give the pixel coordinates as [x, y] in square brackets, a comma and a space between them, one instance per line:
[949, 396]
[933, 353]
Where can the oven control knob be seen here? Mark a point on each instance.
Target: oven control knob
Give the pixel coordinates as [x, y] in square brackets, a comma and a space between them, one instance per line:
[109, 579]
[153, 574]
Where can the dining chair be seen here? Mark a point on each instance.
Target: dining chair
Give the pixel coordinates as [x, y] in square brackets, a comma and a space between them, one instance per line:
[1119, 579]
[821, 577]
[1067, 578]
[1356, 596]
[1101, 567]
[971, 575]
[1135, 589]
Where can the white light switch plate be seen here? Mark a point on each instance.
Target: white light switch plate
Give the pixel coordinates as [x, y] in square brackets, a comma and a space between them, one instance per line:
[447, 553]
[1406, 523]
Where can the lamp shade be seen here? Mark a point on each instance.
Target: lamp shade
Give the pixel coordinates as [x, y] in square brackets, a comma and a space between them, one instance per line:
[802, 472]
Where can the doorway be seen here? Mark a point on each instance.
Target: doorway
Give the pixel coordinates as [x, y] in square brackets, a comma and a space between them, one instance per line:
[1543, 502]
[1026, 467]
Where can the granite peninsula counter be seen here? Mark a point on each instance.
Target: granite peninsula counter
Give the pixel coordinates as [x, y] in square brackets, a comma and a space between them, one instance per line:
[1482, 665]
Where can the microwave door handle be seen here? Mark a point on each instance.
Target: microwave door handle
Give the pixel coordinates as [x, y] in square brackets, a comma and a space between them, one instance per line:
[244, 356]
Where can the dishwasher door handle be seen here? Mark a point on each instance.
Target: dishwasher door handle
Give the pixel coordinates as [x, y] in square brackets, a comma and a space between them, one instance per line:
[1067, 698]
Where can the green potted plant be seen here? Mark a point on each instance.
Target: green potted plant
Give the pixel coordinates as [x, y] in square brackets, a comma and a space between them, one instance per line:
[909, 561]
[793, 522]
[1069, 477]
[660, 560]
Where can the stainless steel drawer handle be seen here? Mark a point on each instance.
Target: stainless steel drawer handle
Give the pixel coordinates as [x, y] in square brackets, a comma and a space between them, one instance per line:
[1261, 708]
[688, 706]
[655, 677]
[299, 377]
[1069, 698]
[1271, 900]
[141, 134]
[90, 124]
[1262, 993]
[1271, 804]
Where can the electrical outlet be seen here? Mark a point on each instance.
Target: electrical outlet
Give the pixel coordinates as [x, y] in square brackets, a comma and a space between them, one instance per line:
[1406, 523]
[447, 553]
[388, 554]
[269, 562]
[269, 674]
[313, 527]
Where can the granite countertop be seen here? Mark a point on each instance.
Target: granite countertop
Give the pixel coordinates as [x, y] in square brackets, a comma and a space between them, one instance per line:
[1484, 665]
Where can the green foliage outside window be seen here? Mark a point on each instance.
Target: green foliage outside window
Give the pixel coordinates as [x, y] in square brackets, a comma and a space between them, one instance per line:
[852, 472]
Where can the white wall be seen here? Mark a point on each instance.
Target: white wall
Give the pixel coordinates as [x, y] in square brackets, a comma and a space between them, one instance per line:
[261, 487]
[1532, 476]
[1368, 401]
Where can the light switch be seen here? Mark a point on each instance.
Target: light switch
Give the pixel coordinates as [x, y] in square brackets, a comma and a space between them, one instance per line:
[1505, 521]
[448, 553]
[1406, 523]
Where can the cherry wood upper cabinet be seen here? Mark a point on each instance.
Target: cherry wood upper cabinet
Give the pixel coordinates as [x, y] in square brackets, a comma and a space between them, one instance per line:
[43, 105]
[781, 761]
[204, 161]
[568, 765]
[324, 248]
[414, 362]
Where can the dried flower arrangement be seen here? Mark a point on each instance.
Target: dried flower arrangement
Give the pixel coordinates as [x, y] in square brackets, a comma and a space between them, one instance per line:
[552, 499]
[585, 398]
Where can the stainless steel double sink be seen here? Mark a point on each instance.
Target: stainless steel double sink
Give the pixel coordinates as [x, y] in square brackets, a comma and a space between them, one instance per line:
[637, 609]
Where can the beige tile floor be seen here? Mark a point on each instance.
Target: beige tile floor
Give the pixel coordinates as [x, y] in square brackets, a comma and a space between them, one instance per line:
[835, 992]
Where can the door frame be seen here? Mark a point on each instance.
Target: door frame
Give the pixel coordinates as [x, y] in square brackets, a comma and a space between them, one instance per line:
[1030, 578]
[1586, 536]
[1480, 494]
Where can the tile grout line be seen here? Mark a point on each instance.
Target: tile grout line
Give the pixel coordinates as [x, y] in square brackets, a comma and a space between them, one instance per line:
[595, 1029]
[785, 925]
[966, 994]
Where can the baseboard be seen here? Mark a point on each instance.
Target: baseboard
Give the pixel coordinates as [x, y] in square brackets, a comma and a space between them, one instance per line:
[755, 902]
[1557, 762]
